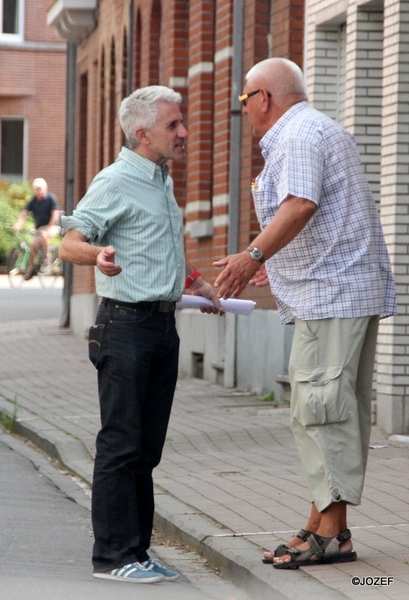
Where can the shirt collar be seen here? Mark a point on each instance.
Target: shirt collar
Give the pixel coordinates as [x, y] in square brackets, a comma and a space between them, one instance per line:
[271, 137]
[144, 164]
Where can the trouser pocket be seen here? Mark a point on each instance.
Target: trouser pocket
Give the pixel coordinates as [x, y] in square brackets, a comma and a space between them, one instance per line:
[95, 335]
[318, 397]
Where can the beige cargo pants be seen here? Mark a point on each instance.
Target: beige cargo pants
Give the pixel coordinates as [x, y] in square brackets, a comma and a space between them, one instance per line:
[331, 371]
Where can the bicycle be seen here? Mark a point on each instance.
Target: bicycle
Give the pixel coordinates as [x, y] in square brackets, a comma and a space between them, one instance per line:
[47, 269]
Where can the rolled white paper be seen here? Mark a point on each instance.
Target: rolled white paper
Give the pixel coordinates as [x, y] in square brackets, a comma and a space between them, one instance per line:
[233, 305]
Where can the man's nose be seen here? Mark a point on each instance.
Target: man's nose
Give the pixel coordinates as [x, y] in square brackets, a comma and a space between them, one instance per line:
[182, 131]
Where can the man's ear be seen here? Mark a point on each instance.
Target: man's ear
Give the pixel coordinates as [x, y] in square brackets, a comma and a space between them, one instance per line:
[267, 100]
[141, 136]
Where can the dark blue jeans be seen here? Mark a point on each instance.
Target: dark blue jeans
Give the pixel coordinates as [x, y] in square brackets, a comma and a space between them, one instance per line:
[136, 353]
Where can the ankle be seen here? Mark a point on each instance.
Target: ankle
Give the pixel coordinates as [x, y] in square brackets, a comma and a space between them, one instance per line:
[313, 524]
[329, 530]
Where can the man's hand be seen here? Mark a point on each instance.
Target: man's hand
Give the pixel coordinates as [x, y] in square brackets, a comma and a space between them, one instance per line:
[201, 288]
[260, 279]
[106, 262]
[238, 270]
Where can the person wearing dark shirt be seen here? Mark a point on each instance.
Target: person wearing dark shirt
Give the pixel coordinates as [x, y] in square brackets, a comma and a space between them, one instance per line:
[44, 208]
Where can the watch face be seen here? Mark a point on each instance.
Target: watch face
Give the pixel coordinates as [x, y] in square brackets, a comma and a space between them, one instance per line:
[256, 254]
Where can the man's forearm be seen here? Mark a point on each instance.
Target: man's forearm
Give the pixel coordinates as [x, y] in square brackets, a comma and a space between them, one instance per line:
[290, 219]
[75, 248]
[55, 217]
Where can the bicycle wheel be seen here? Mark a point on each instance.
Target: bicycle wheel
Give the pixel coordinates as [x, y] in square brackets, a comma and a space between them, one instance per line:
[49, 273]
[15, 271]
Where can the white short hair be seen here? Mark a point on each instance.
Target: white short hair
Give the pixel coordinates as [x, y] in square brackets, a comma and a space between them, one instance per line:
[140, 109]
[39, 182]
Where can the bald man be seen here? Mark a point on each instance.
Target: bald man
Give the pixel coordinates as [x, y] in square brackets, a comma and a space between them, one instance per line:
[322, 251]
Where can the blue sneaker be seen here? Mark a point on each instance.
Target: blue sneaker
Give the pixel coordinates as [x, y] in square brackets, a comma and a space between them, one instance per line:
[134, 573]
[156, 567]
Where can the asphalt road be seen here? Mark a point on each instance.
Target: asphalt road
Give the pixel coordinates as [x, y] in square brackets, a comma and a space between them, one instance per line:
[46, 541]
[30, 301]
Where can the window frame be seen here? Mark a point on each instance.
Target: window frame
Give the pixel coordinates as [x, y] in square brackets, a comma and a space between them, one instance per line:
[19, 35]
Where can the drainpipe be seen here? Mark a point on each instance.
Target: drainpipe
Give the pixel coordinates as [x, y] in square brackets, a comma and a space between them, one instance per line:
[235, 128]
[129, 66]
[69, 166]
[234, 183]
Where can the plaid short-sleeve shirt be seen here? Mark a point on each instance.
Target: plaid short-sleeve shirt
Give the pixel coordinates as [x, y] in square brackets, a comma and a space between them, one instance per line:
[338, 265]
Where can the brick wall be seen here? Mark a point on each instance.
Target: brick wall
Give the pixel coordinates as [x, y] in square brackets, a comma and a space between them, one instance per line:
[32, 86]
[393, 382]
[188, 45]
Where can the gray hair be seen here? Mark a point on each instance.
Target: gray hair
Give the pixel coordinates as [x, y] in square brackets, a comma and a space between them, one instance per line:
[140, 109]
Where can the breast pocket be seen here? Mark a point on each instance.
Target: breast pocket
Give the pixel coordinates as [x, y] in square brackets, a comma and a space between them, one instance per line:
[318, 398]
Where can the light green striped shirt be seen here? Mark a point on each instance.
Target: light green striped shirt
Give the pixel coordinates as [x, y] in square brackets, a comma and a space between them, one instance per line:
[130, 205]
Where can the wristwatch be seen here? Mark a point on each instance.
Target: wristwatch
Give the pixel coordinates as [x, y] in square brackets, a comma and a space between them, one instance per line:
[256, 254]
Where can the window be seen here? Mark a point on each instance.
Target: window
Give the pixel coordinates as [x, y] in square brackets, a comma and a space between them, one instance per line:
[12, 149]
[11, 19]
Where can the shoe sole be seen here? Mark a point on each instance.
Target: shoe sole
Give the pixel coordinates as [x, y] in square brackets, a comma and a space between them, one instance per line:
[153, 579]
[343, 557]
[171, 578]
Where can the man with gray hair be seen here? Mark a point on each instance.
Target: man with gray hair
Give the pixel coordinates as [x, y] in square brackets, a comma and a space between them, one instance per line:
[329, 271]
[130, 227]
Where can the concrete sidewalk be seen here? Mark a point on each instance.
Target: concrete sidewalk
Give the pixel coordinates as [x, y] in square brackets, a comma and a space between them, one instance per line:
[230, 481]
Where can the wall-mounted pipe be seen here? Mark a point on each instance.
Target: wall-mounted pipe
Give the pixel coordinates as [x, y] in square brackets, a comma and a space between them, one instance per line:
[229, 375]
[70, 172]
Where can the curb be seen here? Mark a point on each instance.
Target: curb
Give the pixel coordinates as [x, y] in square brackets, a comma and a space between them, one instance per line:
[68, 450]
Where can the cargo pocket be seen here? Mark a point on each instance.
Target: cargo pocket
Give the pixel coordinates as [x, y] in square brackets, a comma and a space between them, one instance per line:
[95, 336]
[318, 398]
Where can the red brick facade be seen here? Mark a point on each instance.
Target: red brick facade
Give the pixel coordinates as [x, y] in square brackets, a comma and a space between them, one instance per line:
[32, 87]
[187, 45]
